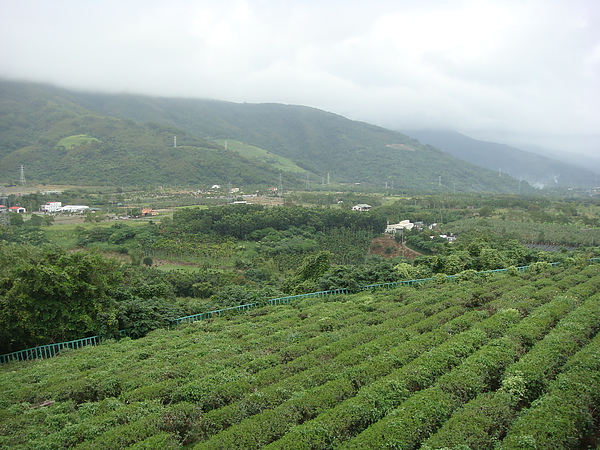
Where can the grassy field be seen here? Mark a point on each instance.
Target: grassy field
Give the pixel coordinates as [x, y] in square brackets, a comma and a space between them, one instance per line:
[275, 161]
[63, 231]
[75, 141]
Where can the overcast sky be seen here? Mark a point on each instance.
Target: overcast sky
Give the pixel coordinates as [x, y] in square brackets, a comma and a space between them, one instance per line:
[512, 71]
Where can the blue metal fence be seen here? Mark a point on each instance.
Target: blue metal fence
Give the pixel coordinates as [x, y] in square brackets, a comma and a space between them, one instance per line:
[48, 351]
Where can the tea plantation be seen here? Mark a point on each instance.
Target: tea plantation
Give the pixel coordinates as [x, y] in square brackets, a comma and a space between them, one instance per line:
[502, 362]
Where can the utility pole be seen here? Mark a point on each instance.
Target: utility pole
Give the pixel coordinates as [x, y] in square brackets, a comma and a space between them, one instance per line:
[4, 212]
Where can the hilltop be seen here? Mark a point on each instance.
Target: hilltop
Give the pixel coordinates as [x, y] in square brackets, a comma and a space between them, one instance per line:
[73, 137]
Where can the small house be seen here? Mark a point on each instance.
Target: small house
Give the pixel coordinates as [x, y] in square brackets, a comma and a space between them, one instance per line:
[148, 212]
[361, 207]
[17, 209]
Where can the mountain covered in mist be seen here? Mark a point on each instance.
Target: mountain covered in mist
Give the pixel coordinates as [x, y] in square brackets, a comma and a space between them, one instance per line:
[538, 170]
[70, 137]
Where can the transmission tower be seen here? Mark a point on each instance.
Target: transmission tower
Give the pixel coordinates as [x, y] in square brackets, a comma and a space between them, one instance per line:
[4, 213]
[22, 175]
[280, 188]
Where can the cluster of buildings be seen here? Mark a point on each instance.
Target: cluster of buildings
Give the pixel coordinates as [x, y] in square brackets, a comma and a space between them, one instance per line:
[399, 227]
[56, 207]
[49, 207]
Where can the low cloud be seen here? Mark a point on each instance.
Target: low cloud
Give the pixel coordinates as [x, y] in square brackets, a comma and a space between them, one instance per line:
[527, 70]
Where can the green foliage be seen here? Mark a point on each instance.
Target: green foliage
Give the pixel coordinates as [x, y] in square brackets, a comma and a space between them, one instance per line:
[254, 222]
[563, 417]
[557, 234]
[49, 295]
[503, 361]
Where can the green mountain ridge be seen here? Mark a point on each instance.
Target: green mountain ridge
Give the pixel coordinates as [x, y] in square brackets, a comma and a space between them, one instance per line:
[129, 140]
[536, 169]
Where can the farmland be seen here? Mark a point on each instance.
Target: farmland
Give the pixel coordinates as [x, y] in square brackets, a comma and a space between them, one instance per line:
[478, 360]
[404, 368]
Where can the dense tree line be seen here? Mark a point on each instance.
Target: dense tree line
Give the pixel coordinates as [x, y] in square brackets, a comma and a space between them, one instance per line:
[250, 221]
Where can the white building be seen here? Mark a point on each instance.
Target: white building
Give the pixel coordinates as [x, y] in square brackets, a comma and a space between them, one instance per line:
[399, 227]
[361, 207]
[52, 207]
[74, 208]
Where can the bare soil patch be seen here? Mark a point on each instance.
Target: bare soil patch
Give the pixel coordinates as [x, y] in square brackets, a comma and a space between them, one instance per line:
[387, 247]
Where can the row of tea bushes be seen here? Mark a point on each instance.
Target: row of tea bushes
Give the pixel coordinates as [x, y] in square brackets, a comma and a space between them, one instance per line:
[485, 419]
[568, 412]
[411, 423]
[315, 374]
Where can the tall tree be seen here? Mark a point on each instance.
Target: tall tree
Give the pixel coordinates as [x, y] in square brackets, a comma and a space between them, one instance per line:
[49, 295]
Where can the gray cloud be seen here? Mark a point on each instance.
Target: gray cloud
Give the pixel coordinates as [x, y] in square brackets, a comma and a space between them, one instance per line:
[526, 70]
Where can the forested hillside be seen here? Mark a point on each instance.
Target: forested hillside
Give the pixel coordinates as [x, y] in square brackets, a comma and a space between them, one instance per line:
[59, 141]
[536, 169]
[505, 362]
[71, 137]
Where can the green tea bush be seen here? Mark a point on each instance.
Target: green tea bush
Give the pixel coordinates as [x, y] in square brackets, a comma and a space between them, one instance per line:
[545, 359]
[409, 424]
[163, 441]
[480, 424]
[377, 399]
[322, 373]
[483, 421]
[400, 354]
[565, 415]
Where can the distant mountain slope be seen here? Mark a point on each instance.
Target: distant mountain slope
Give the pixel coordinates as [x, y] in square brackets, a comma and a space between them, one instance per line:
[536, 169]
[129, 139]
[61, 141]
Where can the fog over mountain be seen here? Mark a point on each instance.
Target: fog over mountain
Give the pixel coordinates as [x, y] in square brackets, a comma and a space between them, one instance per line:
[521, 72]
[538, 170]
